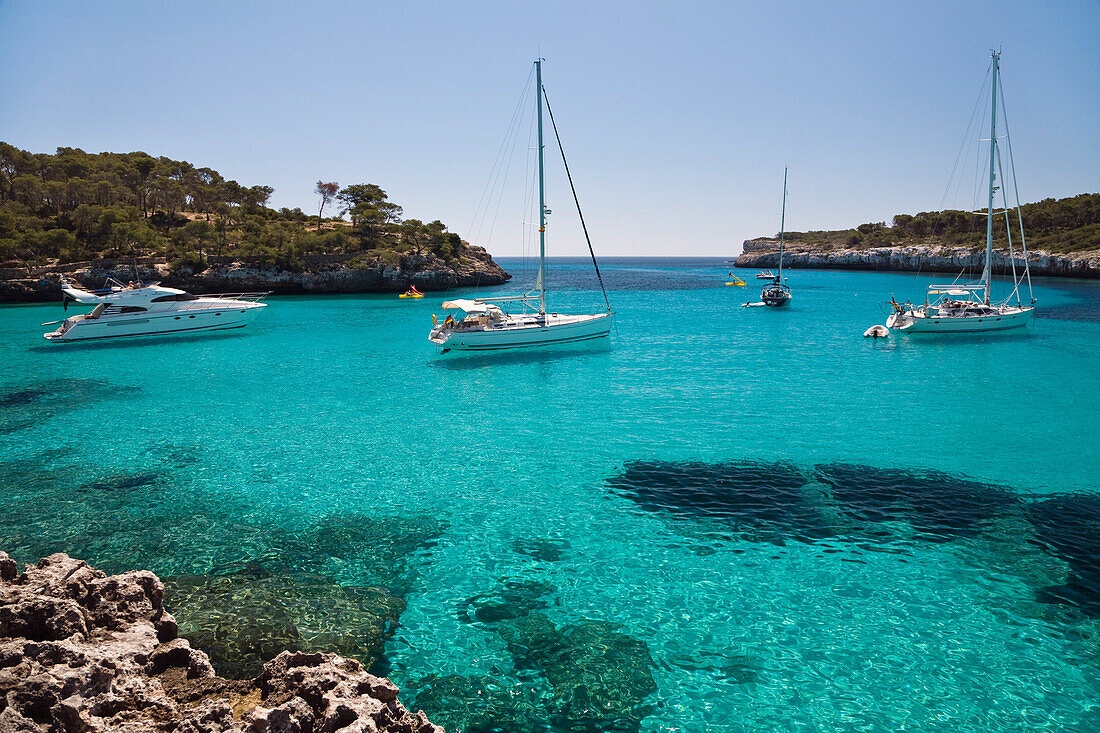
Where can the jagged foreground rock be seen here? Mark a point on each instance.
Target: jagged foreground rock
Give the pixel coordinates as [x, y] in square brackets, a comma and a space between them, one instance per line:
[83, 651]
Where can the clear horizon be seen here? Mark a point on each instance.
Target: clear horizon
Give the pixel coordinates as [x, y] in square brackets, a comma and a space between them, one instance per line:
[677, 122]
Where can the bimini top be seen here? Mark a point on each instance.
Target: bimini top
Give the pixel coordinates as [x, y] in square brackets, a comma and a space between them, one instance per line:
[470, 306]
[955, 289]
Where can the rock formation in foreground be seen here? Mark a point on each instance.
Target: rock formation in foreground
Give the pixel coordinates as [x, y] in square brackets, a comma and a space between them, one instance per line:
[83, 651]
[319, 274]
[765, 253]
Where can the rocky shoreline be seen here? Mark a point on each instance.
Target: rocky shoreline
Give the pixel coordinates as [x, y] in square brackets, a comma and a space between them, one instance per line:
[764, 253]
[84, 651]
[321, 274]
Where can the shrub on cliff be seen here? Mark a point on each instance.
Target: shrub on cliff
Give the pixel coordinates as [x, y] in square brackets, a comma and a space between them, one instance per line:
[189, 260]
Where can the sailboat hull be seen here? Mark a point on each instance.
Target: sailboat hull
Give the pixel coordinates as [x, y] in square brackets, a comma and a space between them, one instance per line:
[916, 322]
[525, 333]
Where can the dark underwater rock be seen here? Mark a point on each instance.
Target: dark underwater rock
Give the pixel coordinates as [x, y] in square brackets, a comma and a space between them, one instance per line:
[599, 675]
[1068, 526]
[546, 549]
[482, 704]
[26, 406]
[765, 500]
[939, 506]
[21, 397]
[122, 482]
[513, 599]
[106, 658]
[244, 619]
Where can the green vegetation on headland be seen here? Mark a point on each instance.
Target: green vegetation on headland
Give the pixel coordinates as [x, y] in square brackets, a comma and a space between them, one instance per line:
[1060, 226]
[74, 206]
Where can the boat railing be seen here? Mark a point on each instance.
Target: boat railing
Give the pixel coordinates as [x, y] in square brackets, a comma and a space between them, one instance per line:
[202, 301]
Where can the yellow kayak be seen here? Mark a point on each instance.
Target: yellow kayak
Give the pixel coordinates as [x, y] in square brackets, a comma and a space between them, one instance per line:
[411, 295]
[737, 281]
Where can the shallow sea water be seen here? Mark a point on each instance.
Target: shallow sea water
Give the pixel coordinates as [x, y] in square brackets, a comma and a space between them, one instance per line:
[726, 518]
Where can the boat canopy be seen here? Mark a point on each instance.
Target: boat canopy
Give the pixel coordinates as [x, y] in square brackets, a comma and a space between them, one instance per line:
[470, 306]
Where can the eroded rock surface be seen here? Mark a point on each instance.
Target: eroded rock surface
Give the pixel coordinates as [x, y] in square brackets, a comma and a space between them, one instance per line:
[913, 257]
[84, 651]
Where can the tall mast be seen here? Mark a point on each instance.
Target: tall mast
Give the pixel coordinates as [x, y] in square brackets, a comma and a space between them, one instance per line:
[541, 282]
[782, 226]
[986, 274]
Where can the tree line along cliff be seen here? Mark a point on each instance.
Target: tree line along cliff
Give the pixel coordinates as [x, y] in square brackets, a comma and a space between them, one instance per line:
[73, 206]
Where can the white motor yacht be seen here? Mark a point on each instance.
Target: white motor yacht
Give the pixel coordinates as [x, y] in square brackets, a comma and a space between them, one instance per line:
[150, 310]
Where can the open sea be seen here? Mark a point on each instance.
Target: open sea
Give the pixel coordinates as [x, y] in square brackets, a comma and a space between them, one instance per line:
[723, 519]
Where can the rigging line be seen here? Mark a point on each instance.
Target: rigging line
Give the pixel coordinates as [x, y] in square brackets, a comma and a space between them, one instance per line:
[530, 178]
[966, 137]
[494, 172]
[963, 156]
[1008, 232]
[576, 200]
[1016, 189]
[981, 165]
[507, 169]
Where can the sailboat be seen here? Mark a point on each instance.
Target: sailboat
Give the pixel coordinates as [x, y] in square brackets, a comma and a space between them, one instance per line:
[486, 326]
[776, 294]
[966, 307]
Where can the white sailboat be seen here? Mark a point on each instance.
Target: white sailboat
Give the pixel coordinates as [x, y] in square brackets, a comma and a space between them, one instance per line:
[486, 326]
[776, 294]
[966, 307]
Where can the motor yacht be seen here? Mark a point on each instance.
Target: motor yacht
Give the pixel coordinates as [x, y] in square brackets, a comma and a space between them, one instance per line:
[148, 309]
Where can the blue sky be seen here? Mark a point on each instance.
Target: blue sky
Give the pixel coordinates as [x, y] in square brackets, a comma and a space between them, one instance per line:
[678, 118]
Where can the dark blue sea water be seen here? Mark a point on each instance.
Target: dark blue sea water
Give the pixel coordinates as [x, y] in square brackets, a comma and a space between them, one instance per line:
[726, 518]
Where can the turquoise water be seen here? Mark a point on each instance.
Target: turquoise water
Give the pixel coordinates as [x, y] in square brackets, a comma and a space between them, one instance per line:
[736, 519]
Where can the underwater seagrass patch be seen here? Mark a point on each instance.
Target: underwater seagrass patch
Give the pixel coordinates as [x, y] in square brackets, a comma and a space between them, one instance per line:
[600, 676]
[244, 620]
[939, 506]
[25, 406]
[480, 704]
[762, 500]
[364, 549]
[1068, 526]
[515, 597]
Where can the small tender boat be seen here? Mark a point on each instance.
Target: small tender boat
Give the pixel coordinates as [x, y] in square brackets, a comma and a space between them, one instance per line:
[878, 332]
[150, 310]
[736, 280]
[765, 275]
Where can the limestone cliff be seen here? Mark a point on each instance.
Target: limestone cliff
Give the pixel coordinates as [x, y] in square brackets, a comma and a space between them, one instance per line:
[320, 274]
[764, 253]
